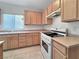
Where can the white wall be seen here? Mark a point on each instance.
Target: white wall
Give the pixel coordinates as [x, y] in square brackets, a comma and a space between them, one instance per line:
[73, 26]
[15, 9]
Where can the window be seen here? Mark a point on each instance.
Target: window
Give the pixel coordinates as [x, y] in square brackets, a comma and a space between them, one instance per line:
[13, 22]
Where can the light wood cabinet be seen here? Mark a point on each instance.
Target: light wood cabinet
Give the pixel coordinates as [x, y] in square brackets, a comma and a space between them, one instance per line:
[22, 40]
[56, 4]
[36, 38]
[1, 51]
[27, 17]
[69, 10]
[29, 39]
[57, 54]
[65, 51]
[33, 17]
[12, 41]
[39, 18]
[50, 8]
[46, 20]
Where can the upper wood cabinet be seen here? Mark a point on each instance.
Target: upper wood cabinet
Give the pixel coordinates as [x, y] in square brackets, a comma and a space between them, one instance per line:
[50, 8]
[12, 41]
[46, 20]
[70, 10]
[39, 18]
[56, 4]
[32, 17]
[27, 17]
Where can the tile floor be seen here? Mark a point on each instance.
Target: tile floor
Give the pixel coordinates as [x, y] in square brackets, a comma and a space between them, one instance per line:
[24, 53]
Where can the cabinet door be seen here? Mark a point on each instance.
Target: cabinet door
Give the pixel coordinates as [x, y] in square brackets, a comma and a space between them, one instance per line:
[69, 10]
[46, 20]
[33, 18]
[43, 17]
[57, 54]
[22, 40]
[45, 14]
[29, 39]
[27, 16]
[56, 4]
[36, 38]
[12, 41]
[78, 10]
[50, 8]
[39, 18]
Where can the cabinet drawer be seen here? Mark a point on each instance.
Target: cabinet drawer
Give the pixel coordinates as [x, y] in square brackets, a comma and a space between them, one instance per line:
[61, 48]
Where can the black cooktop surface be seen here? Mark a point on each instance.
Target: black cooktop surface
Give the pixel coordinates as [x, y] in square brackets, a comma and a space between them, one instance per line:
[52, 34]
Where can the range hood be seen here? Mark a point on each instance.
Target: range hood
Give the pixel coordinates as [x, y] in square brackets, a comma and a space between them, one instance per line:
[54, 14]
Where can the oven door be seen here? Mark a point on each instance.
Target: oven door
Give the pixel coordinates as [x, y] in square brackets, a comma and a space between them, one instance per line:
[45, 46]
[46, 49]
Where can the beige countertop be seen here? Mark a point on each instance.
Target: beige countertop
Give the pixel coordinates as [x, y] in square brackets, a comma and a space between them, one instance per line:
[1, 42]
[23, 31]
[67, 41]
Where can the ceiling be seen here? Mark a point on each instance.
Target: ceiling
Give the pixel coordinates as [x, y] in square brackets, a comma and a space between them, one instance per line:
[35, 4]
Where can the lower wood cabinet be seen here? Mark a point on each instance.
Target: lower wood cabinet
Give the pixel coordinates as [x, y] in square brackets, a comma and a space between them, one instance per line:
[61, 51]
[12, 41]
[29, 39]
[57, 54]
[1, 52]
[20, 40]
[36, 38]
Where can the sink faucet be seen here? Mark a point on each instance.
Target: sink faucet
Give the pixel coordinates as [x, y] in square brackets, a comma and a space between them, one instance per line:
[67, 32]
[56, 28]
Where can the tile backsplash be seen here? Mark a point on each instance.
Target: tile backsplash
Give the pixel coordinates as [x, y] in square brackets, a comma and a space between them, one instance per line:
[34, 27]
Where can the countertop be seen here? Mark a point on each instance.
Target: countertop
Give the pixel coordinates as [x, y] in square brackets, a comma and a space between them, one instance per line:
[21, 31]
[67, 41]
[1, 42]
